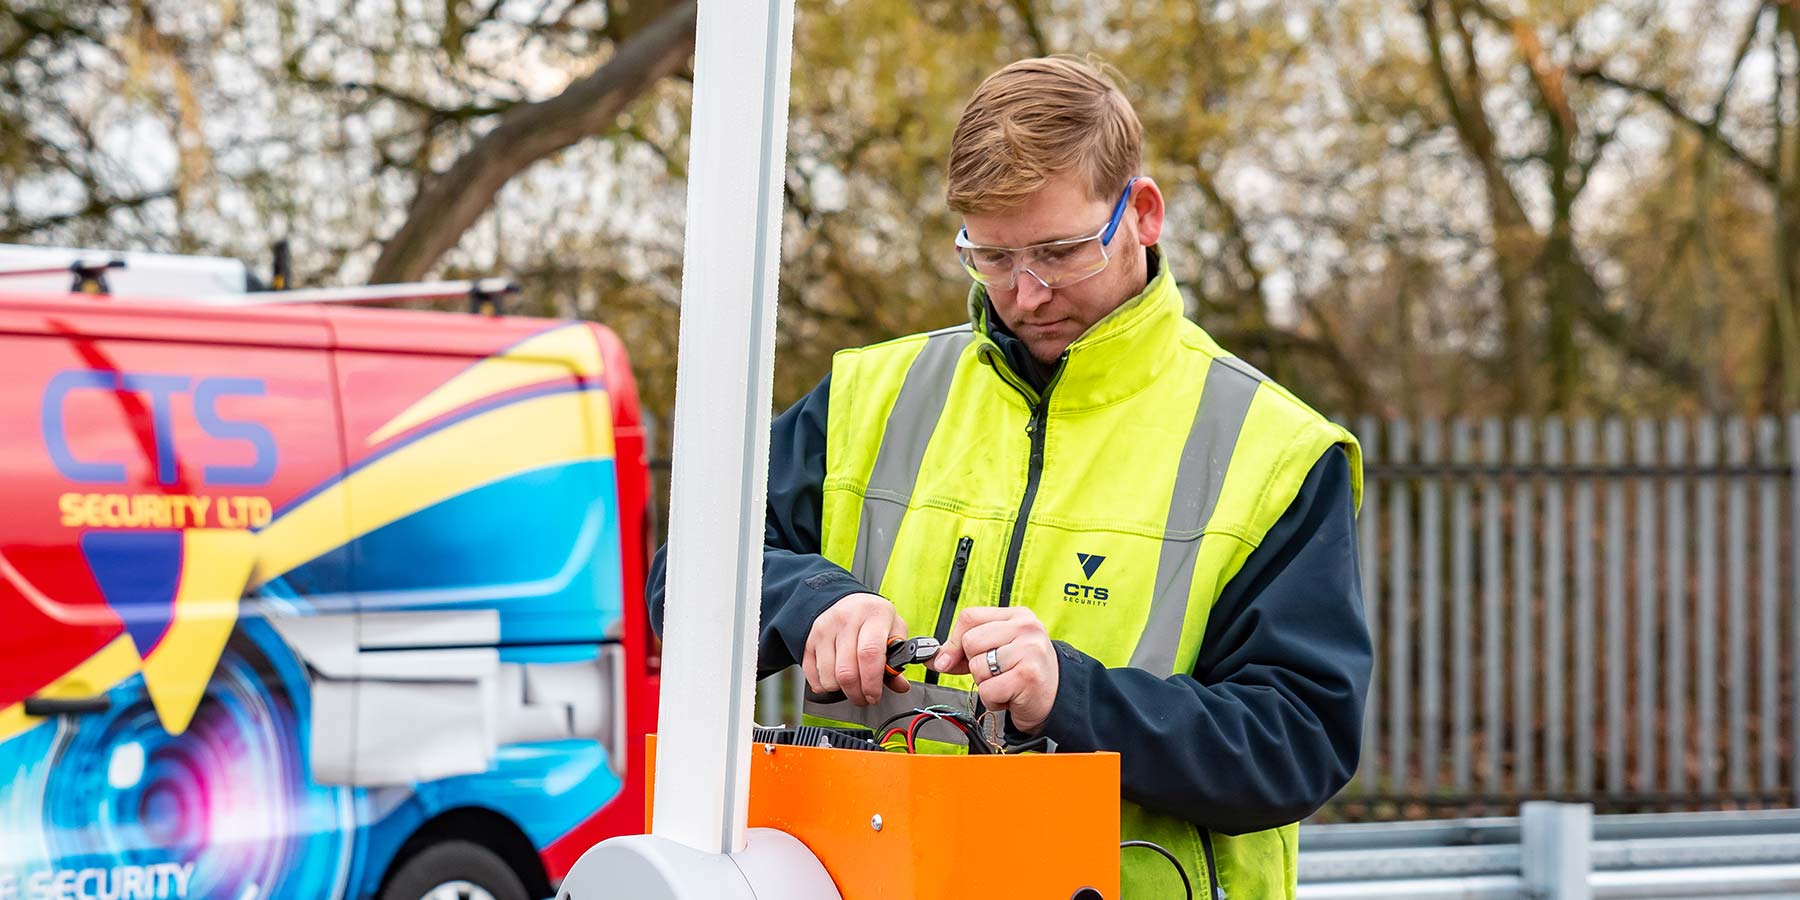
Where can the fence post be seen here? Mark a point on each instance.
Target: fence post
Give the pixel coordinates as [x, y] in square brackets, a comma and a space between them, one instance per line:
[796, 698]
[1555, 628]
[1674, 663]
[1737, 605]
[1462, 625]
[1768, 597]
[1492, 694]
[1587, 655]
[1368, 541]
[1527, 647]
[771, 698]
[1644, 559]
[1555, 842]
[1431, 606]
[1793, 448]
[1616, 659]
[1399, 635]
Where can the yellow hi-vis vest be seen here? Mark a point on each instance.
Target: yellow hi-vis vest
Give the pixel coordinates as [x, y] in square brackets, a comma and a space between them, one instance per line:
[1157, 453]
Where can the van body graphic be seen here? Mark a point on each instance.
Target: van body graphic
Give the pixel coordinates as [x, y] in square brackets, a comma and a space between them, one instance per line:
[289, 591]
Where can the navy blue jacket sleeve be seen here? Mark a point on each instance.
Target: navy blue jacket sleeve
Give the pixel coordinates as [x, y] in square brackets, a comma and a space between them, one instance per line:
[1268, 727]
[798, 583]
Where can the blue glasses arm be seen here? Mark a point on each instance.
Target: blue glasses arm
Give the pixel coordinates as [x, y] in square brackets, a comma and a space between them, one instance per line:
[1118, 214]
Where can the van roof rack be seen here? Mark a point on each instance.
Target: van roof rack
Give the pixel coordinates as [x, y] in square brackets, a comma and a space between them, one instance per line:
[89, 272]
[89, 269]
[483, 294]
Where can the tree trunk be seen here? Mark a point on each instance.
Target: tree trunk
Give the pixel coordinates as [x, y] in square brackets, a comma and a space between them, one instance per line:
[1519, 248]
[1515, 241]
[448, 204]
[1781, 379]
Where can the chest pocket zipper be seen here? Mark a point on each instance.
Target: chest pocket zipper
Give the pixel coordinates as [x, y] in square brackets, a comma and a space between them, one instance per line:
[1212, 865]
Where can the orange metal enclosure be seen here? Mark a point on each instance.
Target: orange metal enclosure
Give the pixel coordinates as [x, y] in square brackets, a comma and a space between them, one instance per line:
[1019, 827]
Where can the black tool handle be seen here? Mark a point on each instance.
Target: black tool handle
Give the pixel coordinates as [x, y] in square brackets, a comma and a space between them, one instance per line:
[67, 706]
[828, 697]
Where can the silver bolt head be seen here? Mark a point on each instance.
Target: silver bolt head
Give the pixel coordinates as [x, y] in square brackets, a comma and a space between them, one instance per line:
[875, 823]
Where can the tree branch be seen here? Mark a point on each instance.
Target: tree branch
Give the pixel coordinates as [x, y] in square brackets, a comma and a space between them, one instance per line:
[1638, 344]
[96, 207]
[451, 202]
[34, 24]
[1514, 237]
[1782, 346]
[677, 168]
[1470, 118]
[1034, 30]
[1240, 242]
[1661, 97]
[1546, 76]
[1585, 168]
[1737, 63]
[1520, 248]
[418, 104]
[1440, 68]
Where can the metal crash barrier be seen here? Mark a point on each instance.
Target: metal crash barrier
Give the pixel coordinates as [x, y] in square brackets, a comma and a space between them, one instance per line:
[1560, 851]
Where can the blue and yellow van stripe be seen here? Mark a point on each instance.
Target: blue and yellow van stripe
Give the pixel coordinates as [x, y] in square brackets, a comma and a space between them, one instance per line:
[552, 354]
[527, 431]
[504, 416]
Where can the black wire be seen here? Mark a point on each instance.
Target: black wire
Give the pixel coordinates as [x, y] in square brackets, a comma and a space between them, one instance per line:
[1036, 743]
[970, 729]
[1185, 886]
[895, 718]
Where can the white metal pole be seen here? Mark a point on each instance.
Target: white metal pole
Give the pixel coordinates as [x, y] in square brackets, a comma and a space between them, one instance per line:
[721, 426]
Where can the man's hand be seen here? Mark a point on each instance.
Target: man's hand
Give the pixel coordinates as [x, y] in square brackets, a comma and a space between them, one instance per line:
[1029, 672]
[847, 649]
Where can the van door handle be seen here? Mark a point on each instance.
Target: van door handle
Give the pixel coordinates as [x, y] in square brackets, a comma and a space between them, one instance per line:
[67, 706]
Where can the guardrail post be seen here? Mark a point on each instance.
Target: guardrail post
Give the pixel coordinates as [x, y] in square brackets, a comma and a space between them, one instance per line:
[1556, 840]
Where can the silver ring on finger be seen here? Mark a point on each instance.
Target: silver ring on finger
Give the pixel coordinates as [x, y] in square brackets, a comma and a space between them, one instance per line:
[993, 661]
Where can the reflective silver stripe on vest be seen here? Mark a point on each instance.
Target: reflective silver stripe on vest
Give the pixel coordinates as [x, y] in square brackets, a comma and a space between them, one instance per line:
[892, 704]
[896, 471]
[1224, 402]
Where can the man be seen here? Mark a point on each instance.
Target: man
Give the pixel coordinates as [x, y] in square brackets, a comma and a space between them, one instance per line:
[1127, 538]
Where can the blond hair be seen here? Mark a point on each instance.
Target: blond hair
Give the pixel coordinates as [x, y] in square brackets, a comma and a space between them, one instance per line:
[1037, 119]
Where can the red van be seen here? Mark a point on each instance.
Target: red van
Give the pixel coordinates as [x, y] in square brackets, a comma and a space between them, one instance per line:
[314, 600]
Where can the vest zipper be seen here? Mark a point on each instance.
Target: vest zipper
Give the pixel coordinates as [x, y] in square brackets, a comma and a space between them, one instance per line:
[1033, 472]
[952, 594]
[1036, 426]
[1212, 866]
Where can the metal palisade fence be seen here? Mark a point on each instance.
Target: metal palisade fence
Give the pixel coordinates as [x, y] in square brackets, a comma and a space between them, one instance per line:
[1602, 611]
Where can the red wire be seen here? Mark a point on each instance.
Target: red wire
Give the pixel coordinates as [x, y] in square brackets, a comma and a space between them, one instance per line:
[913, 729]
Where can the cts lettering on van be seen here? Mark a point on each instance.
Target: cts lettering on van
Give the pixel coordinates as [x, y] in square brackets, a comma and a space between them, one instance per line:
[312, 586]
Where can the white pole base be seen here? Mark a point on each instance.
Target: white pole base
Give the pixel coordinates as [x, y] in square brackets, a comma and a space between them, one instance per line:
[773, 865]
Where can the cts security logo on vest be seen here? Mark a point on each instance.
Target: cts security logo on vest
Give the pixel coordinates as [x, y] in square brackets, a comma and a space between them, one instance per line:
[1089, 563]
[1087, 594]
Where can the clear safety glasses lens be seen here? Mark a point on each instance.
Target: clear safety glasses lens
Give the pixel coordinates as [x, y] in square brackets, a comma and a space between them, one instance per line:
[1054, 265]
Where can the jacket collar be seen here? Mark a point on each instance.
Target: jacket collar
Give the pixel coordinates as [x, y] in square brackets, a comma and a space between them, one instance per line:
[1117, 357]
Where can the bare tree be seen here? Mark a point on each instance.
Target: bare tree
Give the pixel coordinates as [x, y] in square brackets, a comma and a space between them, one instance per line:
[450, 202]
[1777, 173]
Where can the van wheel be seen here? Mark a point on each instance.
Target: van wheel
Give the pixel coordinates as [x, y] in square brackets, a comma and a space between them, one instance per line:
[455, 870]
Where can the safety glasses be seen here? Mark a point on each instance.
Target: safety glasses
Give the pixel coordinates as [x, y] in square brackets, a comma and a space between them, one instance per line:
[1055, 264]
